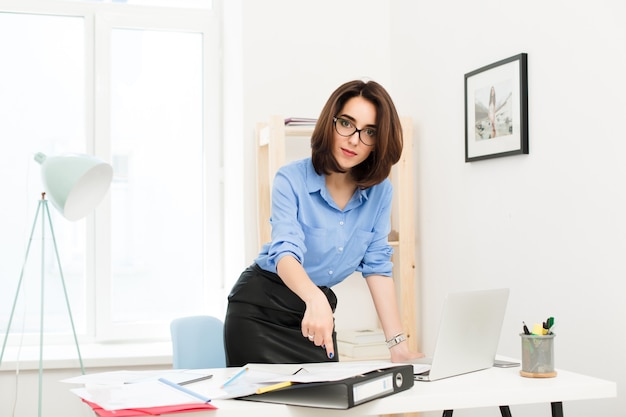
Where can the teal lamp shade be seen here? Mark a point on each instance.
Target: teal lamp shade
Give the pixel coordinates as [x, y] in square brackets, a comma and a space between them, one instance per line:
[74, 183]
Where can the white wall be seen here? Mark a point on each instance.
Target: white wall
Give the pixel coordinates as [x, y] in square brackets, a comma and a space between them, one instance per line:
[550, 225]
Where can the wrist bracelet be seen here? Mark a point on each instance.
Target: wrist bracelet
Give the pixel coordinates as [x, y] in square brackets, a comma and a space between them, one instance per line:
[399, 338]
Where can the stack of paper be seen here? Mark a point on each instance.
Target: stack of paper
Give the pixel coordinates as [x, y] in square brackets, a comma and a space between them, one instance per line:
[140, 393]
[300, 121]
[148, 411]
[362, 344]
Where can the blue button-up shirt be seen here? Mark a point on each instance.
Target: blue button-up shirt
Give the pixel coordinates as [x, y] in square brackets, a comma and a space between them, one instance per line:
[329, 242]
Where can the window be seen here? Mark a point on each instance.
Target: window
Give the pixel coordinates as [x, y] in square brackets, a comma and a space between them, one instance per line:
[139, 88]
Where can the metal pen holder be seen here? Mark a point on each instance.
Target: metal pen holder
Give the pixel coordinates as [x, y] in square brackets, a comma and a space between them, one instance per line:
[538, 356]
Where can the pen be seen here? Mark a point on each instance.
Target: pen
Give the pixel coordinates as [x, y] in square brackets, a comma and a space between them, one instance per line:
[526, 331]
[550, 323]
[237, 375]
[185, 390]
[273, 387]
[191, 381]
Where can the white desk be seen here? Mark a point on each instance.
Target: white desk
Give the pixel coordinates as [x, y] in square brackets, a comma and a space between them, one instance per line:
[490, 388]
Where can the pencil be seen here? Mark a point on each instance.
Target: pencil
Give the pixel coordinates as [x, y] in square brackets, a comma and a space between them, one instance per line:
[191, 381]
[273, 387]
[185, 390]
[237, 375]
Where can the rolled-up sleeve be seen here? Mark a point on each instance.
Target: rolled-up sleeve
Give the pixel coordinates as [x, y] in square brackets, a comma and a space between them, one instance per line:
[377, 258]
[287, 234]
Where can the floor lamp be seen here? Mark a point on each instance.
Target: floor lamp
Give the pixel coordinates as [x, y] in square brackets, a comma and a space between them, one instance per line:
[75, 184]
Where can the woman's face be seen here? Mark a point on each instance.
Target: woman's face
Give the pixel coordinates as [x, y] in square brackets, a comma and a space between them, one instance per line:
[350, 151]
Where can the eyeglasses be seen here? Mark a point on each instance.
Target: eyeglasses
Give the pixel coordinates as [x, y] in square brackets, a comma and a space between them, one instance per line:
[345, 128]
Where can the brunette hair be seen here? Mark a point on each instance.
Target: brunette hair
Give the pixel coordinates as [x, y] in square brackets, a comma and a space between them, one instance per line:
[388, 146]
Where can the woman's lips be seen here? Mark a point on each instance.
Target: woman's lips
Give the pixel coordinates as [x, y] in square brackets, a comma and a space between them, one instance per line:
[348, 152]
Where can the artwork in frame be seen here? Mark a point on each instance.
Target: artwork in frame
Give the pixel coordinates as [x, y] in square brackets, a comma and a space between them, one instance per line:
[496, 109]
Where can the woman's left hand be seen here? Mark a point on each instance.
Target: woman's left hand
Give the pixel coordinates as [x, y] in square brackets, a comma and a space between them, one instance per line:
[401, 353]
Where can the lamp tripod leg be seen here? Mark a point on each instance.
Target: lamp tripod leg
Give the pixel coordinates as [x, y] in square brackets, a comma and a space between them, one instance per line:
[19, 287]
[41, 307]
[19, 283]
[67, 301]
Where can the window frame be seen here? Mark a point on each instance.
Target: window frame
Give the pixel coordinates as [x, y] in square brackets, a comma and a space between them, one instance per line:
[99, 19]
[182, 21]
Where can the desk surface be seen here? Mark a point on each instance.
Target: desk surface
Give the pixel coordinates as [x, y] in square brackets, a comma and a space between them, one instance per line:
[491, 387]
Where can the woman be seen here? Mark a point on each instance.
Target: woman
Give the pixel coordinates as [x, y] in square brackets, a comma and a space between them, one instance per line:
[330, 217]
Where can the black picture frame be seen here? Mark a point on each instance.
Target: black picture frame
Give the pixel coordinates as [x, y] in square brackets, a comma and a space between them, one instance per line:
[496, 109]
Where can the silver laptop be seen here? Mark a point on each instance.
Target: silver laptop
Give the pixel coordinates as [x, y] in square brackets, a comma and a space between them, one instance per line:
[469, 334]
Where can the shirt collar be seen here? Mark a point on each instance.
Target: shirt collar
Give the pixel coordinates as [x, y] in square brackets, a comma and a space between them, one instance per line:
[316, 183]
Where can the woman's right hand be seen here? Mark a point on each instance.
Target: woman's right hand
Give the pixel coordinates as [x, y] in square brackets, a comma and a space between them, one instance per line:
[318, 322]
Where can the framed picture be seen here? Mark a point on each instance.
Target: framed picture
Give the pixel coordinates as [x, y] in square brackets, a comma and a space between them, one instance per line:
[496, 109]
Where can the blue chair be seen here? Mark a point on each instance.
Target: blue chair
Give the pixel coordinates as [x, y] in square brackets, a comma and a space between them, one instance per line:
[198, 342]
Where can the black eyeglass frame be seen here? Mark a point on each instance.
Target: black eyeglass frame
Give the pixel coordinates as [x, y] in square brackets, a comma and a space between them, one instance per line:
[358, 131]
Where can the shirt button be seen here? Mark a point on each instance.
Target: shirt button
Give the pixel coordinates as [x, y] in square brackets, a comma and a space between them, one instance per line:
[340, 248]
[341, 223]
[330, 272]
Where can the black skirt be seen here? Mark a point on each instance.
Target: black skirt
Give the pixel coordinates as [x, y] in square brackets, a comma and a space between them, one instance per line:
[264, 320]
